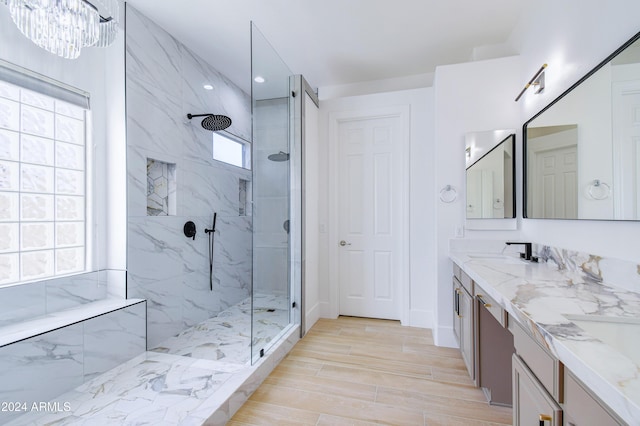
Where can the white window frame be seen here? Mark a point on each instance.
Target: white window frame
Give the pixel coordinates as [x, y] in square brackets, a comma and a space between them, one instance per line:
[246, 148]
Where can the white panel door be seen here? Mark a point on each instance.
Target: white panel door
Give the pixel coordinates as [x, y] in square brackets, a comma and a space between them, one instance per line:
[370, 209]
[556, 190]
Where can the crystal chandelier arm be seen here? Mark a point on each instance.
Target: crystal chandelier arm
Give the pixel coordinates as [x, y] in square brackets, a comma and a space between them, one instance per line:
[64, 28]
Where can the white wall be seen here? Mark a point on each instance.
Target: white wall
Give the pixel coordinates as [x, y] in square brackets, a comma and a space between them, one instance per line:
[421, 222]
[572, 37]
[470, 97]
[416, 81]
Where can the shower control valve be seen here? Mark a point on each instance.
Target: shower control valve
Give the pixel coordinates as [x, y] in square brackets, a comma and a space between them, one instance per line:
[189, 230]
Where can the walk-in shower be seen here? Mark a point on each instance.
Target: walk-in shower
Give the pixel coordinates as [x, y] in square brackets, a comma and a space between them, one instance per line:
[193, 318]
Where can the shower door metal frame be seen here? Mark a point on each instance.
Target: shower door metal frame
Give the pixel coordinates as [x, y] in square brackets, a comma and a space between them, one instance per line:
[299, 87]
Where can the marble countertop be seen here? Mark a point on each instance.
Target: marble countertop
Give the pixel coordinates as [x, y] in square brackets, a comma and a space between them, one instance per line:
[540, 297]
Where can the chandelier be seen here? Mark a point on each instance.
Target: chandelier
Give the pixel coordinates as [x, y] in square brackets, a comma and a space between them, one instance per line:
[64, 27]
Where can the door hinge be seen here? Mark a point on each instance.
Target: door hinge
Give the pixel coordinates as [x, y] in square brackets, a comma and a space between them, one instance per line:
[293, 94]
[293, 305]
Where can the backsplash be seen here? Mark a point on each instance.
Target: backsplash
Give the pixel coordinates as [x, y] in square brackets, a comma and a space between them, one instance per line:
[591, 267]
[586, 267]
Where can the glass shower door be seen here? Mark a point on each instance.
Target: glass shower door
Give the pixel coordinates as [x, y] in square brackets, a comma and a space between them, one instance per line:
[271, 295]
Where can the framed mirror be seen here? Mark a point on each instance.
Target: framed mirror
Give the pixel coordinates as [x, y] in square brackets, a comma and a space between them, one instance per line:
[490, 174]
[582, 151]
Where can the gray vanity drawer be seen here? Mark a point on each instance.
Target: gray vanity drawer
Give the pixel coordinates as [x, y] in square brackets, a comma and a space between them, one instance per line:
[492, 306]
[545, 366]
[466, 281]
[457, 272]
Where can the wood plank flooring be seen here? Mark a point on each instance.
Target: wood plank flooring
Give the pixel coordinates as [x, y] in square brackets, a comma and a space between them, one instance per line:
[360, 371]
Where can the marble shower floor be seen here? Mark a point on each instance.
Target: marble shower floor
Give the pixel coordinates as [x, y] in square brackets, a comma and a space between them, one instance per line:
[179, 382]
[227, 337]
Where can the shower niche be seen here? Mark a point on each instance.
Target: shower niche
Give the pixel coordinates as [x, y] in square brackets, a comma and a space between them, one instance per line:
[161, 188]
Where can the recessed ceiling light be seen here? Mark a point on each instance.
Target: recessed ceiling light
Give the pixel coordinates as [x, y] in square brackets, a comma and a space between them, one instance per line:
[208, 87]
[259, 79]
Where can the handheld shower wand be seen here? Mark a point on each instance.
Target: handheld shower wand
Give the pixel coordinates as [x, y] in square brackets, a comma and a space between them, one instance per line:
[211, 233]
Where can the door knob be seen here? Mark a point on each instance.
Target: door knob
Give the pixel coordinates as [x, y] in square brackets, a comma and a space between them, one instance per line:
[344, 243]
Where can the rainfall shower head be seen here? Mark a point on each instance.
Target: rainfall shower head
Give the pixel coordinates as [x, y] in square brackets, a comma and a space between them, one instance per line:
[281, 156]
[212, 122]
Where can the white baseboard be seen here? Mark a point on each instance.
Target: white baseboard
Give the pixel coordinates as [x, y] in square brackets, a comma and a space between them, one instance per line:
[313, 314]
[443, 336]
[420, 318]
[326, 311]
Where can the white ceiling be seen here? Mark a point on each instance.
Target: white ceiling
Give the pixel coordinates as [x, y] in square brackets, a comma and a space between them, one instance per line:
[333, 42]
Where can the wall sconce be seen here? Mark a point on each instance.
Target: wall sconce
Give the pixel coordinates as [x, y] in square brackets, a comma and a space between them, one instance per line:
[537, 81]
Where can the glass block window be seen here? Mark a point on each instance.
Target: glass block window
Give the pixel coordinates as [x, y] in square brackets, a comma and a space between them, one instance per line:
[42, 186]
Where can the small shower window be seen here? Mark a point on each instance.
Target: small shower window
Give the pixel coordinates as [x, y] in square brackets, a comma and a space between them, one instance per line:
[231, 151]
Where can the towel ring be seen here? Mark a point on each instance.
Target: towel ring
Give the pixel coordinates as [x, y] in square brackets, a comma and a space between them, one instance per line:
[448, 194]
[599, 190]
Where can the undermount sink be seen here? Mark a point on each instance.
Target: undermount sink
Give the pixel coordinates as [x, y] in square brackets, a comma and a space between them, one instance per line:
[621, 333]
[494, 256]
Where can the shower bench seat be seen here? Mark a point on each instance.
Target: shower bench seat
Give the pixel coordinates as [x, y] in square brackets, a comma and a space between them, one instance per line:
[46, 323]
[48, 355]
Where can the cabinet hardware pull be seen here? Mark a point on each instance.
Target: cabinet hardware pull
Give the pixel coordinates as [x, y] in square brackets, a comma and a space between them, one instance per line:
[485, 304]
[545, 418]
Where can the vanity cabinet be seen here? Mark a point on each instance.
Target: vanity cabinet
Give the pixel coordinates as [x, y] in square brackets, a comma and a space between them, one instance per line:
[537, 381]
[494, 348]
[463, 315]
[499, 348]
[581, 408]
[545, 367]
[532, 405]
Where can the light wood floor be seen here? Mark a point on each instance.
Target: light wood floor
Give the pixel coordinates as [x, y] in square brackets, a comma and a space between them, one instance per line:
[357, 371]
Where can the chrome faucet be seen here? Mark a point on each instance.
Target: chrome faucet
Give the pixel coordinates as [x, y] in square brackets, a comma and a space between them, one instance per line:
[527, 249]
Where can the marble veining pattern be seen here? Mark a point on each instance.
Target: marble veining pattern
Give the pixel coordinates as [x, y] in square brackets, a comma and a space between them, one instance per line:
[227, 337]
[27, 301]
[567, 283]
[592, 267]
[159, 388]
[112, 339]
[172, 272]
[164, 83]
[54, 361]
[152, 388]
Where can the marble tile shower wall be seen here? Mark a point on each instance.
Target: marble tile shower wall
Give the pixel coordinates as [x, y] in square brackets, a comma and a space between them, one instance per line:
[164, 83]
[24, 302]
[271, 195]
[42, 367]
